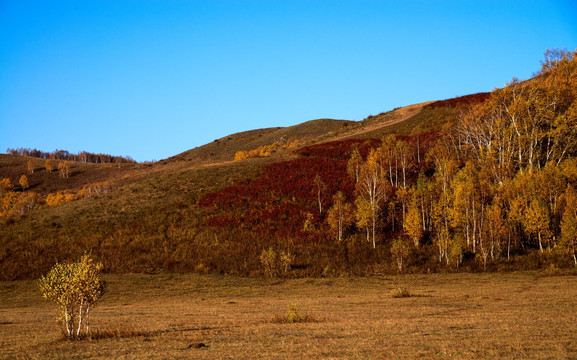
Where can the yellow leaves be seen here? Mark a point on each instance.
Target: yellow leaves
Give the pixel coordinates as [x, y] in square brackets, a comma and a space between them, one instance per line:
[413, 224]
[276, 263]
[309, 225]
[75, 288]
[60, 198]
[241, 155]
[266, 150]
[354, 164]
[400, 251]
[64, 168]
[49, 165]
[23, 182]
[363, 213]
[5, 186]
[340, 216]
[537, 219]
[19, 203]
[31, 167]
[63, 197]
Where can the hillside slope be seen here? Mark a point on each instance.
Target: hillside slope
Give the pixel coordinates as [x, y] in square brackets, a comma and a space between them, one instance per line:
[224, 148]
[151, 217]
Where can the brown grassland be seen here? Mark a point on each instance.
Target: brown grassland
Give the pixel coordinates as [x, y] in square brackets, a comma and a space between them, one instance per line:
[501, 315]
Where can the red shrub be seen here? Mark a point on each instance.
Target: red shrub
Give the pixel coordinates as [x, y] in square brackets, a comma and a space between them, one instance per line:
[466, 100]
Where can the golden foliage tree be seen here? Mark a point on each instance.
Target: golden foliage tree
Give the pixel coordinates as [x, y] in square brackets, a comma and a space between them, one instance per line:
[354, 164]
[467, 211]
[363, 215]
[276, 263]
[30, 165]
[23, 181]
[526, 124]
[340, 215]
[413, 223]
[49, 165]
[569, 224]
[5, 186]
[496, 230]
[372, 187]
[400, 251]
[64, 168]
[537, 222]
[75, 288]
[320, 187]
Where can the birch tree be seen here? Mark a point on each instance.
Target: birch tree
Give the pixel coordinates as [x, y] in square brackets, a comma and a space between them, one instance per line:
[354, 164]
[64, 168]
[23, 181]
[537, 222]
[320, 188]
[339, 215]
[373, 189]
[76, 288]
[413, 223]
[569, 224]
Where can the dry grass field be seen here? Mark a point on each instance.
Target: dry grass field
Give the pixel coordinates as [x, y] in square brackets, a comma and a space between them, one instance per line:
[529, 315]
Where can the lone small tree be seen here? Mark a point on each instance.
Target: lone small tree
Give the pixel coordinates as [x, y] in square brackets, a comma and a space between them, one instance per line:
[23, 182]
[75, 288]
[30, 165]
[49, 165]
[400, 251]
[64, 168]
[321, 186]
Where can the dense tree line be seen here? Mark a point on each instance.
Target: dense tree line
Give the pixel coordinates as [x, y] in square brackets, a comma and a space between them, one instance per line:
[83, 156]
[502, 180]
[496, 186]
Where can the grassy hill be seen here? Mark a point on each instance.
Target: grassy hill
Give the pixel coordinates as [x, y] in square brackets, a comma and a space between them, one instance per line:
[224, 149]
[156, 217]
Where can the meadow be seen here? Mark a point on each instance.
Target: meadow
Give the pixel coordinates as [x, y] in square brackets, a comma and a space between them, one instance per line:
[517, 315]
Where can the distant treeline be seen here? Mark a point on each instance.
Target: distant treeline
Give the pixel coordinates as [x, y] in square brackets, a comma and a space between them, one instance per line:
[82, 156]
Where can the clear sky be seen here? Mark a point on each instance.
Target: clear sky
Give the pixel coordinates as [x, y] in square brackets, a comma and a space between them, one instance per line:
[151, 79]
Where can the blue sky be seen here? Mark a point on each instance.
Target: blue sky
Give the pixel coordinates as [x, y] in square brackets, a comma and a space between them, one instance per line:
[151, 79]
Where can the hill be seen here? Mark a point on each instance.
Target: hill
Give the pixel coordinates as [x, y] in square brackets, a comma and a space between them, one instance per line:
[437, 186]
[147, 205]
[405, 120]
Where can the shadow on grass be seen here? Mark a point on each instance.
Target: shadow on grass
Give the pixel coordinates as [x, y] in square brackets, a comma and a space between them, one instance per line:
[123, 332]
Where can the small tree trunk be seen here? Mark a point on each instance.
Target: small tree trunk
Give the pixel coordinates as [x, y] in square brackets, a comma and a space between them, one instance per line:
[540, 244]
[86, 318]
[340, 228]
[374, 229]
[66, 323]
[79, 318]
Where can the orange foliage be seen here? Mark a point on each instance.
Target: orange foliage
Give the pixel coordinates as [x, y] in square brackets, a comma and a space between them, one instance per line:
[23, 182]
[18, 203]
[5, 186]
[266, 150]
[63, 197]
[60, 198]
